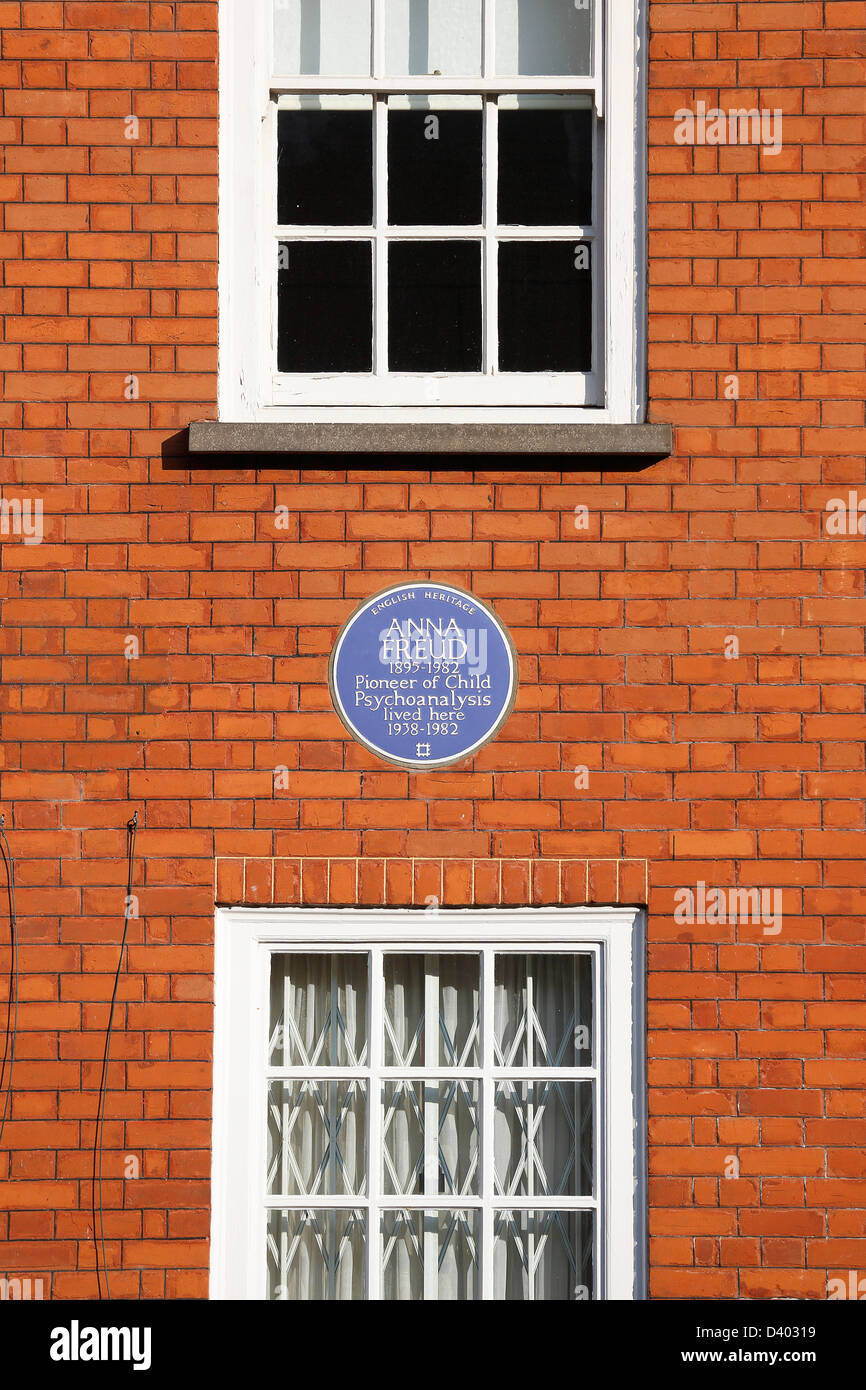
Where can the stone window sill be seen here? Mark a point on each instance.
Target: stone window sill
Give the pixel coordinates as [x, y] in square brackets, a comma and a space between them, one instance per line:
[647, 442]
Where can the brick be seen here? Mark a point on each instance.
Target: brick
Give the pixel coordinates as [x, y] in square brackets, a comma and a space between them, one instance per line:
[738, 772]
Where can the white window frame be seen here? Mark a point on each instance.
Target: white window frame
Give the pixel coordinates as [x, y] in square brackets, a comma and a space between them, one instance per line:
[249, 390]
[245, 940]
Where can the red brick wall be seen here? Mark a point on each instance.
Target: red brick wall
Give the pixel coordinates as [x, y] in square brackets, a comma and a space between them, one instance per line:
[745, 771]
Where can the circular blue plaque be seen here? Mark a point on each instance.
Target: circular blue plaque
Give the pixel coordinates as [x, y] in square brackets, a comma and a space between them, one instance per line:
[423, 674]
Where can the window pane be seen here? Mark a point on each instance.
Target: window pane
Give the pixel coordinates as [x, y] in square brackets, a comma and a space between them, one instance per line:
[544, 37]
[545, 307]
[404, 1011]
[403, 1255]
[331, 37]
[434, 36]
[447, 1113]
[543, 1255]
[317, 1142]
[447, 1241]
[543, 1138]
[318, 1010]
[456, 1104]
[314, 1255]
[434, 161]
[403, 1138]
[458, 1254]
[543, 1014]
[459, 1018]
[434, 306]
[325, 162]
[453, 1039]
[325, 309]
[545, 162]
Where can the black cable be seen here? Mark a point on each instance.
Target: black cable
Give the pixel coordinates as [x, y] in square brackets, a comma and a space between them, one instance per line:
[99, 1236]
[11, 1033]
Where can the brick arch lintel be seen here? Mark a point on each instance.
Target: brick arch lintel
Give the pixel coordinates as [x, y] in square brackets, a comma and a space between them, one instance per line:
[399, 882]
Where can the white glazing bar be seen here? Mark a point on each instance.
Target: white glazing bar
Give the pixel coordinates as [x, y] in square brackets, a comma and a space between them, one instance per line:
[378, 39]
[331, 1252]
[284, 1261]
[513, 233]
[302, 394]
[620, 218]
[284, 1107]
[446, 1202]
[546, 233]
[577, 1090]
[284, 1159]
[332, 1085]
[431, 1073]
[270, 37]
[285, 1110]
[486, 1186]
[375, 1048]
[597, 249]
[489, 39]
[491, 254]
[380, 249]
[530, 1122]
[281, 85]
[542, 930]
[600, 1184]
[332, 233]
[380, 196]
[598, 50]
[283, 1050]
[431, 1124]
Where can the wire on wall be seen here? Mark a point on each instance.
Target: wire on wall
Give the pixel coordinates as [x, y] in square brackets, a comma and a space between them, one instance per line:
[96, 1185]
[12, 1007]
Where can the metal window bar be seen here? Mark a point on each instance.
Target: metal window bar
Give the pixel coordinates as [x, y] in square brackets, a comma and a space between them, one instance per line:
[430, 1200]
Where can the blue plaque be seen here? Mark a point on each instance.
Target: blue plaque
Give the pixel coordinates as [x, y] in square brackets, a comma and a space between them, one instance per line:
[423, 674]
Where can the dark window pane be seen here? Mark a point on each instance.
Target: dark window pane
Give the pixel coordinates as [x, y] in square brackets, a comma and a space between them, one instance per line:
[434, 306]
[325, 168]
[545, 166]
[545, 307]
[434, 167]
[325, 307]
